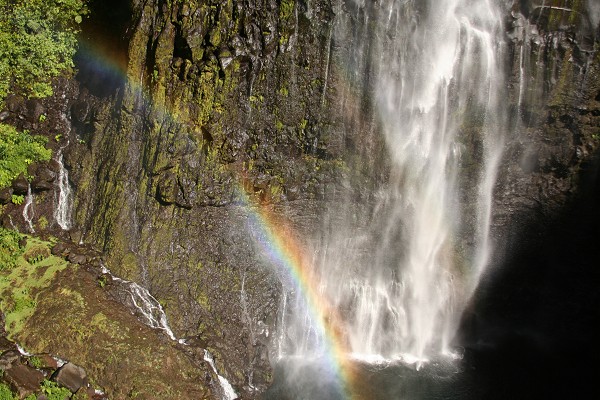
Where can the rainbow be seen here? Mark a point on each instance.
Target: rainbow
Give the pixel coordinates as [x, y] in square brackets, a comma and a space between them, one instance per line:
[276, 237]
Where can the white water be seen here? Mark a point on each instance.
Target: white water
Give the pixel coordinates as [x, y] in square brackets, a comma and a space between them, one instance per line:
[148, 308]
[227, 390]
[439, 96]
[28, 209]
[151, 313]
[63, 198]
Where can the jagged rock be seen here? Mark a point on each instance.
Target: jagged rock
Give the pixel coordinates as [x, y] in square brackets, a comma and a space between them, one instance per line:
[44, 180]
[20, 186]
[4, 115]
[77, 258]
[9, 358]
[23, 379]
[76, 235]
[60, 249]
[6, 195]
[71, 376]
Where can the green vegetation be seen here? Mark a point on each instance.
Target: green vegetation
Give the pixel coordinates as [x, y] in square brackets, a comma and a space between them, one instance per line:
[37, 43]
[5, 392]
[20, 282]
[17, 199]
[54, 392]
[17, 151]
[35, 362]
[10, 250]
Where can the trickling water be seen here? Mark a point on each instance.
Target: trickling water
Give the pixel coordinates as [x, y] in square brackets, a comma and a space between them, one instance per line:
[63, 198]
[147, 307]
[151, 313]
[227, 389]
[28, 210]
[438, 91]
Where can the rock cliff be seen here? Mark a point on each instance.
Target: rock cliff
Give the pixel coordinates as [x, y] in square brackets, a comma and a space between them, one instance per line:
[188, 116]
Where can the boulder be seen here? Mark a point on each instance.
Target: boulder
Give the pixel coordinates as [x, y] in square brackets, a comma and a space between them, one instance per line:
[20, 186]
[6, 195]
[44, 179]
[8, 359]
[71, 376]
[23, 379]
[60, 249]
[47, 362]
[35, 110]
[77, 258]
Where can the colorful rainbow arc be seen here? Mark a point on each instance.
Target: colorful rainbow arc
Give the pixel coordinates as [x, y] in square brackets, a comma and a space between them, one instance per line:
[286, 252]
[279, 242]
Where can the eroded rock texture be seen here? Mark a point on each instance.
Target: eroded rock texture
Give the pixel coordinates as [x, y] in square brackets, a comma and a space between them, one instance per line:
[184, 113]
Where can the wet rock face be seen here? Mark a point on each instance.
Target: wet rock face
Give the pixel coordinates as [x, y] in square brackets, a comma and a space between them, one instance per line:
[224, 100]
[537, 305]
[555, 81]
[217, 100]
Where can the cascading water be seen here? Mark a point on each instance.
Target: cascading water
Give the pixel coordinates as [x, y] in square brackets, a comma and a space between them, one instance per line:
[151, 313]
[28, 210]
[437, 84]
[63, 198]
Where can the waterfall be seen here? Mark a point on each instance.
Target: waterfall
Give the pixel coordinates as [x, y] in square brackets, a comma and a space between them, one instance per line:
[63, 198]
[436, 81]
[28, 209]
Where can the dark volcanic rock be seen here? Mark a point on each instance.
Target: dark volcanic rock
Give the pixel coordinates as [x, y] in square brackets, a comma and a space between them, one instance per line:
[43, 180]
[60, 249]
[77, 258]
[6, 195]
[9, 358]
[6, 344]
[20, 186]
[23, 379]
[71, 376]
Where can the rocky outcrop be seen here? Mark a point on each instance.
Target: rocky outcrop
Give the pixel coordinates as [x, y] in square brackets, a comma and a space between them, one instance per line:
[227, 107]
[555, 82]
[211, 110]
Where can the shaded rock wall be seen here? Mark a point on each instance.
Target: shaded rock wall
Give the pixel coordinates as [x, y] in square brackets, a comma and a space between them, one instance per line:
[221, 104]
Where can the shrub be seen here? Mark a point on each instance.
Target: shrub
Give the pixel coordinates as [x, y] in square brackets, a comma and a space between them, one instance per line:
[36, 254]
[17, 151]
[35, 362]
[54, 392]
[10, 249]
[5, 392]
[37, 43]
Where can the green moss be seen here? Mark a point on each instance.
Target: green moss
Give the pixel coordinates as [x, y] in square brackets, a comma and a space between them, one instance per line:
[564, 87]
[19, 285]
[5, 392]
[286, 9]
